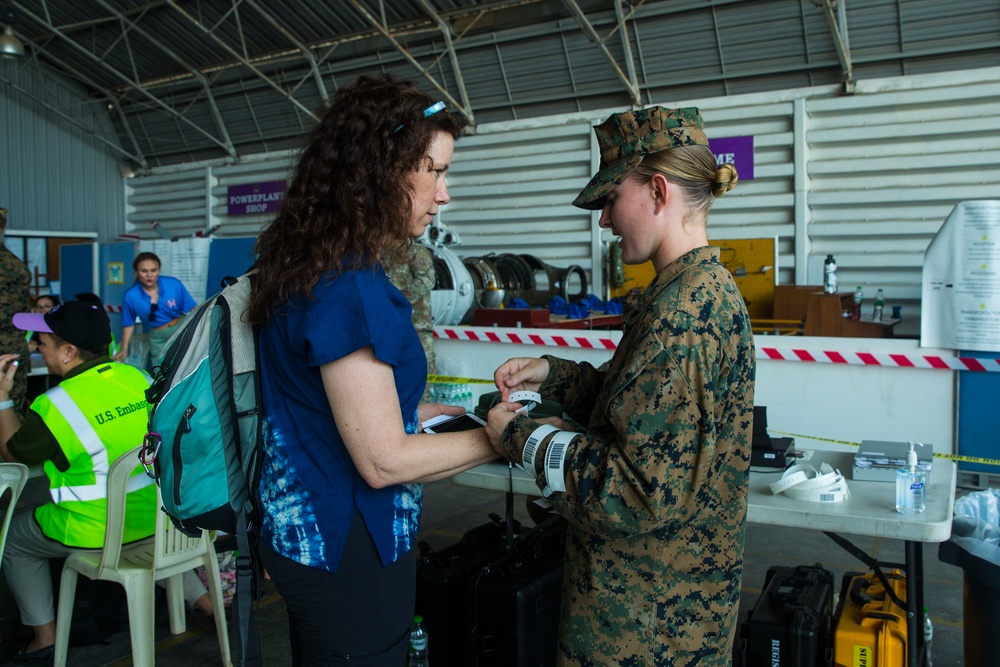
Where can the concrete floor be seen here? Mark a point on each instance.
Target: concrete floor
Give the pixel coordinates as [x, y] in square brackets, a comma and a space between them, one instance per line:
[450, 510]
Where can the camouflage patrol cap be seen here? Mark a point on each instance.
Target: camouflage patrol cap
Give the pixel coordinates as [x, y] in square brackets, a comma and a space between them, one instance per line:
[625, 138]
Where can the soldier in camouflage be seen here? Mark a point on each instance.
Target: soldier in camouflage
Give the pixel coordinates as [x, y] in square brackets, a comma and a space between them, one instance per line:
[653, 475]
[15, 281]
[415, 279]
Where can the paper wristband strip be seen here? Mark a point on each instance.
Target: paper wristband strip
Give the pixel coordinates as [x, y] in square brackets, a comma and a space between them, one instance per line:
[804, 482]
[555, 463]
[531, 447]
[529, 400]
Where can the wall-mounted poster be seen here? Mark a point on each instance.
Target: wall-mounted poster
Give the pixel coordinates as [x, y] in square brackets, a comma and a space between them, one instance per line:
[960, 307]
[116, 273]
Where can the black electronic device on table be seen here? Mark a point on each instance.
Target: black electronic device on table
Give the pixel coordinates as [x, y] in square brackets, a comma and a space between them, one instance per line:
[452, 423]
[766, 451]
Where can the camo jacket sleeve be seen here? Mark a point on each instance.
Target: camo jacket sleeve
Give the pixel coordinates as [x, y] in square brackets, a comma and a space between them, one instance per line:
[669, 429]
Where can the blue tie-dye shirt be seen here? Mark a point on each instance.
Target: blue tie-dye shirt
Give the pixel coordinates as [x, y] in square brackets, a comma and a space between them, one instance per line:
[309, 486]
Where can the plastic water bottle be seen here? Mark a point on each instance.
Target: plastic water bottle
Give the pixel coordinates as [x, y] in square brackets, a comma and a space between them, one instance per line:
[859, 296]
[830, 275]
[418, 643]
[928, 636]
[879, 305]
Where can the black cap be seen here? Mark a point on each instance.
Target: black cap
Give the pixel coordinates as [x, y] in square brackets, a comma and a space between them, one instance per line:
[82, 324]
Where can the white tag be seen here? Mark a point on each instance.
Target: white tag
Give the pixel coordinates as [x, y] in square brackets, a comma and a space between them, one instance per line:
[555, 461]
[531, 447]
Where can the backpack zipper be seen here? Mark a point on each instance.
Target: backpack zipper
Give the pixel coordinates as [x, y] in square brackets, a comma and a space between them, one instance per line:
[183, 427]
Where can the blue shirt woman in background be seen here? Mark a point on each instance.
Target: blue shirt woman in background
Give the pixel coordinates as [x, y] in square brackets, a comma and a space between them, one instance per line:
[158, 301]
[342, 373]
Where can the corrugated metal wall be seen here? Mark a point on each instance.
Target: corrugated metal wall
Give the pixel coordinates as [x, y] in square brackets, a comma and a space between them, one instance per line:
[868, 178]
[511, 192]
[886, 169]
[60, 174]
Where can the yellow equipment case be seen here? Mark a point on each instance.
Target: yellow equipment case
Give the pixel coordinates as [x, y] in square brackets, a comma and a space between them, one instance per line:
[870, 629]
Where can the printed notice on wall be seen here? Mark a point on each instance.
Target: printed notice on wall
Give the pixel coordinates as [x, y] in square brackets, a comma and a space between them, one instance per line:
[960, 306]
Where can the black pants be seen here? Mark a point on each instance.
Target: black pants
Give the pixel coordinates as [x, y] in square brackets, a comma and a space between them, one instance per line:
[360, 616]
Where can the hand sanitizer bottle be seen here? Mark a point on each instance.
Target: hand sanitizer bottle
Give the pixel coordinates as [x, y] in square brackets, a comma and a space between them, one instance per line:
[911, 485]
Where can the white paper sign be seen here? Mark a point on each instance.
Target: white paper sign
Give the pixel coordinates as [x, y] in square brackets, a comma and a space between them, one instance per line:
[960, 307]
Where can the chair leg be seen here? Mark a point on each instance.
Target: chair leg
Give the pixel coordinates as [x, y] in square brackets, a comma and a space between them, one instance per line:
[141, 594]
[218, 605]
[64, 614]
[175, 604]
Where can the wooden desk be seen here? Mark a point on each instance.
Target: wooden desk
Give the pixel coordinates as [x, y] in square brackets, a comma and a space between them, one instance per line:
[823, 314]
[869, 511]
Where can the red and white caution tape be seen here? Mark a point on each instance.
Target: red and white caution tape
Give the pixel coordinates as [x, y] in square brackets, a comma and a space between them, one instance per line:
[601, 341]
[881, 359]
[591, 341]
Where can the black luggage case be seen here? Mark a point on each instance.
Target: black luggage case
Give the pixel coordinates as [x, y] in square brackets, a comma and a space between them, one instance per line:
[513, 603]
[790, 624]
[441, 579]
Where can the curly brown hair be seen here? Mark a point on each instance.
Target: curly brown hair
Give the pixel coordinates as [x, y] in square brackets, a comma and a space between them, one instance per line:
[349, 197]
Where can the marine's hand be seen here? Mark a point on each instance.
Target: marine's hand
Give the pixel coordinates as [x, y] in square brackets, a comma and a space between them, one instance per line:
[122, 353]
[520, 374]
[496, 421]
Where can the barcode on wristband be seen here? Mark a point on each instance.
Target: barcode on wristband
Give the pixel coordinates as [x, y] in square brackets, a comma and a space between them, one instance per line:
[528, 455]
[531, 446]
[557, 450]
[555, 461]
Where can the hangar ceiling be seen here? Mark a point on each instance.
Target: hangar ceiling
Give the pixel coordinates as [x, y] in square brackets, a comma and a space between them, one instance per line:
[186, 80]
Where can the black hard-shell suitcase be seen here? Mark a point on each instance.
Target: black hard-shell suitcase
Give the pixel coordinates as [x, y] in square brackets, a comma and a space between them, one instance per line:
[513, 603]
[790, 624]
[441, 578]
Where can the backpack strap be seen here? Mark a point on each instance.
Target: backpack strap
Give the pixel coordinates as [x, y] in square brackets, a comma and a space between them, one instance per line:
[248, 568]
[247, 593]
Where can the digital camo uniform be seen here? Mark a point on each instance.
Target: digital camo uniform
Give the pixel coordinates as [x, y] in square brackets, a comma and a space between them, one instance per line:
[415, 279]
[656, 487]
[15, 280]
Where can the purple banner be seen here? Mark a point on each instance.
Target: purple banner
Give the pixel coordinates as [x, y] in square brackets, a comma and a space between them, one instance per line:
[735, 150]
[253, 198]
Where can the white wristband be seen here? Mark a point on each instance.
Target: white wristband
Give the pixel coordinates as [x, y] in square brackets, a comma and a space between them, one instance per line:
[6, 405]
[531, 446]
[555, 462]
[529, 400]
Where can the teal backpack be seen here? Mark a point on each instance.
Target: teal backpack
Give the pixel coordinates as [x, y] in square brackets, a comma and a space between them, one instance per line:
[203, 445]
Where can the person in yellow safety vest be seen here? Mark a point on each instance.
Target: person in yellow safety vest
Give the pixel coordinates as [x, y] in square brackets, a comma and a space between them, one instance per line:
[77, 430]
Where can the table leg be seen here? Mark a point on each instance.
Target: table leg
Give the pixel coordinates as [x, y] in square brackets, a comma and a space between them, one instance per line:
[915, 604]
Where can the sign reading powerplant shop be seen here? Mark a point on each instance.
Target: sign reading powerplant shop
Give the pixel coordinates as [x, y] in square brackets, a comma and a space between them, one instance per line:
[253, 198]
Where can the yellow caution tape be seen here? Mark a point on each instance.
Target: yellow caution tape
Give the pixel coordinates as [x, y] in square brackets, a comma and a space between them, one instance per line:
[448, 379]
[940, 455]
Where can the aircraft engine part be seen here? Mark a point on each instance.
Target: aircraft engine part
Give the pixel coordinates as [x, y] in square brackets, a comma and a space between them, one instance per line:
[486, 281]
[453, 293]
[551, 281]
[515, 275]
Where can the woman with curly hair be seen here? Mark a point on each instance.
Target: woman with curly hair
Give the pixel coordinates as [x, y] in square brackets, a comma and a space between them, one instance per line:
[342, 373]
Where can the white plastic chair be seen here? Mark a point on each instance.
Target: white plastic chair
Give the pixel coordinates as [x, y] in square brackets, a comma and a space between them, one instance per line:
[13, 476]
[166, 555]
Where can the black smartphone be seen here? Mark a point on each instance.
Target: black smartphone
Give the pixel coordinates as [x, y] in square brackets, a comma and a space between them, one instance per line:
[452, 423]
